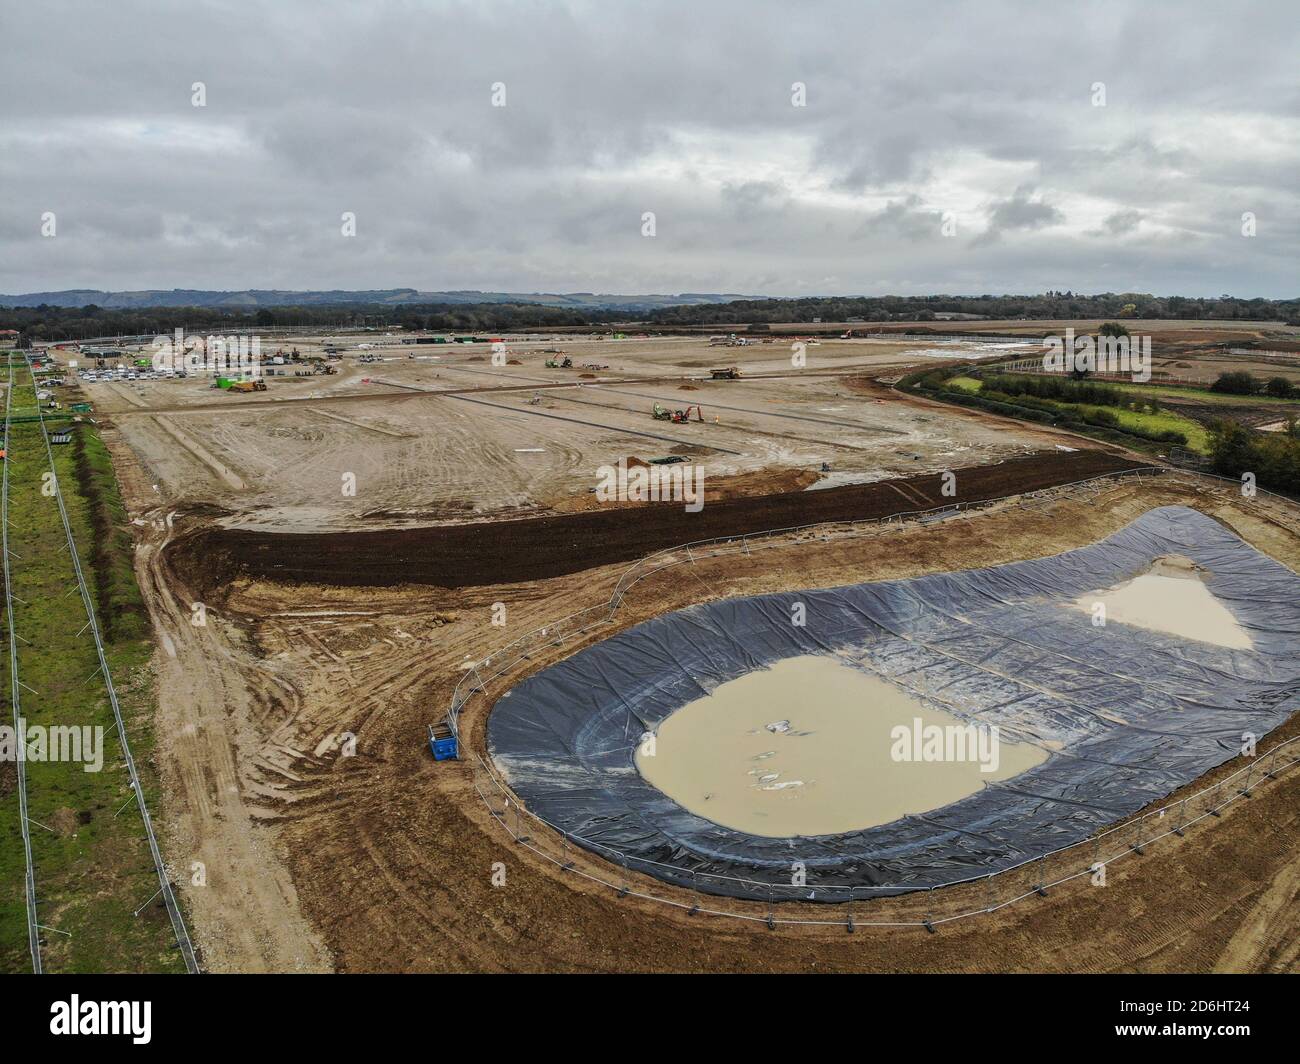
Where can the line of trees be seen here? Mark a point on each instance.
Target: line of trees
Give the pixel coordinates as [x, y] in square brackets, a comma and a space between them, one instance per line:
[1062, 389]
[1242, 383]
[1064, 408]
[73, 323]
[1273, 458]
[77, 323]
[1049, 305]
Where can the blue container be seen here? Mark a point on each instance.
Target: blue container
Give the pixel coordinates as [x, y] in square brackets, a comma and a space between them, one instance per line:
[442, 742]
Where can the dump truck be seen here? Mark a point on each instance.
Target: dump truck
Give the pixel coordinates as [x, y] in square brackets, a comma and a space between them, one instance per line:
[726, 373]
[248, 386]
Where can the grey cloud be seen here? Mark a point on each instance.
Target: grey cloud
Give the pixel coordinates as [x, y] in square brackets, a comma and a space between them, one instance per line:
[1024, 209]
[1121, 222]
[684, 109]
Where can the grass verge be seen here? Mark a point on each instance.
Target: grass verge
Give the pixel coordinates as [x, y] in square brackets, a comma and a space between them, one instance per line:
[92, 862]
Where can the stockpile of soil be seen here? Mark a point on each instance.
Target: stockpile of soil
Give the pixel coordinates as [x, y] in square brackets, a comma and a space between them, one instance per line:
[537, 548]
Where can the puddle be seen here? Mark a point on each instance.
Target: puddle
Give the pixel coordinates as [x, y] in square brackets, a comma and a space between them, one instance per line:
[805, 748]
[1171, 597]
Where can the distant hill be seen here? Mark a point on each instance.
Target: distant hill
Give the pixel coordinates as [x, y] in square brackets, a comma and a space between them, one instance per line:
[192, 297]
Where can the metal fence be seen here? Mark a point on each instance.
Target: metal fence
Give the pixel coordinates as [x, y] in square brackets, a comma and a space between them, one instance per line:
[555, 634]
[920, 905]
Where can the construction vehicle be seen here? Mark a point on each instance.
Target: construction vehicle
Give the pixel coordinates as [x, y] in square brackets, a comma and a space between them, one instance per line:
[679, 417]
[727, 373]
[552, 363]
[248, 386]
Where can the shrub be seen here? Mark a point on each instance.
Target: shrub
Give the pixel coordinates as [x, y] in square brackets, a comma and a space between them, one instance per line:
[1238, 383]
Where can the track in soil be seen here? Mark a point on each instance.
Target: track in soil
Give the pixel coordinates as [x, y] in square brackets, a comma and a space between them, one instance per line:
[498, 552]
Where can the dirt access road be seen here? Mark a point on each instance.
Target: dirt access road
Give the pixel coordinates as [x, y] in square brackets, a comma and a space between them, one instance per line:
[210, 728]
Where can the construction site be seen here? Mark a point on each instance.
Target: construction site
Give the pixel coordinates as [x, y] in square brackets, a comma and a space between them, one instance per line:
[429, 645]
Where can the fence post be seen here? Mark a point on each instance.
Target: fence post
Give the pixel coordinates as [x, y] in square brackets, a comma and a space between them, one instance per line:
[1137, 836]
[1214, 808]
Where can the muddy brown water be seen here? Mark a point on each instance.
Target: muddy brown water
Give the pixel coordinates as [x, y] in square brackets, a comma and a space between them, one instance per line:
[1171, 597]
[812, 746]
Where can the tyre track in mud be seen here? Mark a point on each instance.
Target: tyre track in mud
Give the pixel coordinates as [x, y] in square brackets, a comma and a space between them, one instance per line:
[245, 914]
[391, 854]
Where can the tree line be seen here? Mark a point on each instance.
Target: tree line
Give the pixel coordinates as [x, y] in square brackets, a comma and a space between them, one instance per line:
[46, 322]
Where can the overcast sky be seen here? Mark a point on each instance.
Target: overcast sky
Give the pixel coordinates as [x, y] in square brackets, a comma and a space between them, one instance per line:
[984, 113]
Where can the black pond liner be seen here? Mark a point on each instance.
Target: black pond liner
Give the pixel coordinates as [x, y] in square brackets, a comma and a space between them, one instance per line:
[1131, 715]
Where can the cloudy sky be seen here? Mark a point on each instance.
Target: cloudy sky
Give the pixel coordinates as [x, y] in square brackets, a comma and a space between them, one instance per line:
[984, 115]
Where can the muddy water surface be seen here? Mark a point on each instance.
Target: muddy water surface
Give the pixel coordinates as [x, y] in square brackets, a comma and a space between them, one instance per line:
[805, 748]
[1172, 598]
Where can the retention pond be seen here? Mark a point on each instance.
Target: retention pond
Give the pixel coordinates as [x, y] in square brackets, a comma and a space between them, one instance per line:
[811, 746]
[727, 746]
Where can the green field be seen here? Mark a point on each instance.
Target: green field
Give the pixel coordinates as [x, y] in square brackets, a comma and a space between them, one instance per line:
[1164, 421]
[1204, 395]
[1132, 421]
[92, 862]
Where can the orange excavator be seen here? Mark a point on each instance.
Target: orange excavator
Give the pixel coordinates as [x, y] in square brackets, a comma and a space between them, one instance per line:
[662, 413]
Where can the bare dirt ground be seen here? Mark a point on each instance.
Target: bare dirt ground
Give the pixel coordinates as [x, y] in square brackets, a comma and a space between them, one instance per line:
[211, 729]
[383, 861]
[449, 437]
[494, 552]
[291, 721]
